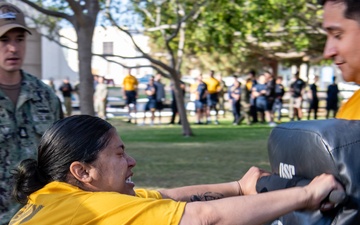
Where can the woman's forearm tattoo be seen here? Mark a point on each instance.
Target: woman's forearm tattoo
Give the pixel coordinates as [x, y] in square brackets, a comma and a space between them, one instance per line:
[207, 196]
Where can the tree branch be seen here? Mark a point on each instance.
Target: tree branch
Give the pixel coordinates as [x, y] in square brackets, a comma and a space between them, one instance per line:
[118, 56]
[148, 14]
[46, 11]
[161, 27]
[51, 38]
[146, 56]
[185, 18]
[75, 6]
[133, 67]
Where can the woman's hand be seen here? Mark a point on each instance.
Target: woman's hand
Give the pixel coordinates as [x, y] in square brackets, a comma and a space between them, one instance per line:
[249, 180]
[319, 189]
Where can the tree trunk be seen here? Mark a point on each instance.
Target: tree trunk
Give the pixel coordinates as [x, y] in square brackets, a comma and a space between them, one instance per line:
[86, 86]
[181, 45]
[307, 72]
[181, 105]
[274, 64]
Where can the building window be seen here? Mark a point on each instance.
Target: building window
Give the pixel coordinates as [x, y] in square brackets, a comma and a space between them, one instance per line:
[108, 48]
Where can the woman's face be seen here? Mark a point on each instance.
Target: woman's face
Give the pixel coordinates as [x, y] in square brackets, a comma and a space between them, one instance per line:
[111, 171]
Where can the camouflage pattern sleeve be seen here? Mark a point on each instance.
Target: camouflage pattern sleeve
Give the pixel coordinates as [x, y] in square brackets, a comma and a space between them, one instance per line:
[21, 128]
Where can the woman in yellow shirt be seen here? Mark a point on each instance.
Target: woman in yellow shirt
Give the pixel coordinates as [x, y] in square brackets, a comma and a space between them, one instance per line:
[83, 176]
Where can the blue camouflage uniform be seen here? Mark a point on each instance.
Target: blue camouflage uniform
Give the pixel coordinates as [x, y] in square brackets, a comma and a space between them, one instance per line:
[20, 130]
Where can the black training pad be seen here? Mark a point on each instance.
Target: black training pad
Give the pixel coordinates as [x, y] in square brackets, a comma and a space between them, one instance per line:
[309, 148]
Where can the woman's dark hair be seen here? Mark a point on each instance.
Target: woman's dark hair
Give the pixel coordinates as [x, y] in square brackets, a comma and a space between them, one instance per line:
[76, 138]
[352, 10]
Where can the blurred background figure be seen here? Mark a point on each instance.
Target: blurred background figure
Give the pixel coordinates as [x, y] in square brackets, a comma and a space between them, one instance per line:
[249, 85]
[332, 99]
[66, 91]
[213, 88]
[279, 94]
[150, 91]
[245, 101]
[270, 98]
[52, 85]
[313, 99]
[130, 94]
[222, 92]
[259, 95]
[297, 91]
[200, 99]
[234, 99]
[96, 77]
[160, 95]
[100, 98]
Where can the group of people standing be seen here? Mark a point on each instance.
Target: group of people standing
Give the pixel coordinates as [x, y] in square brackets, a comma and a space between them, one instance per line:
[256, 95]
[207, 98]
[208, 95]
[257, 99]
[332, 99]
[100, 95]
[262, 95]
[155, 92]
[299, 92]
[156, 95]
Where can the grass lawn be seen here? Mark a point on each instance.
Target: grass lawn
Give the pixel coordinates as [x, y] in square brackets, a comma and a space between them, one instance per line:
[217, 153]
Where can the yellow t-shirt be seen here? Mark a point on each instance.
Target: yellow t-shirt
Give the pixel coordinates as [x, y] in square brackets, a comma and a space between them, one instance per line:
[249, 85]
[61, 203]
[351, 109]
[213, 85]
[130, 83]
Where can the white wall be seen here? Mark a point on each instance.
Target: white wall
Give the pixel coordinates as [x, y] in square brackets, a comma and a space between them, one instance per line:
[122, 45]
[54, 63]
[32, 61]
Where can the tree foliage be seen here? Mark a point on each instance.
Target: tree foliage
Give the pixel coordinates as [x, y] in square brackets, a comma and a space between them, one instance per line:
[238, 34]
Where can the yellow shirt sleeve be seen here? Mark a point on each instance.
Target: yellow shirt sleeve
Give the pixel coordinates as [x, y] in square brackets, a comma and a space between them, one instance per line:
[143, 193]
[351, 109]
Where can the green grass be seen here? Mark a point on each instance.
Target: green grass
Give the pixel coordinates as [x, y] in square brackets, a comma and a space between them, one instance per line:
[217, 153]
